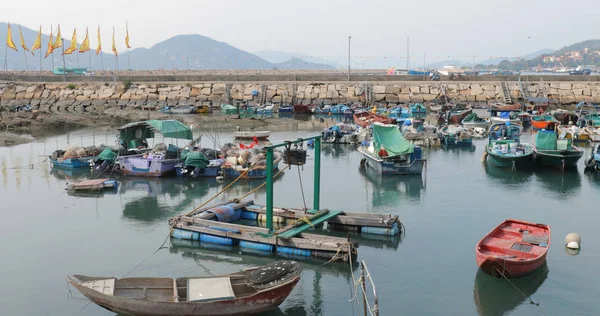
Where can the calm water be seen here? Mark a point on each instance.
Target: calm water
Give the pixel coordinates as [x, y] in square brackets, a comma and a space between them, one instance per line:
[48, 234]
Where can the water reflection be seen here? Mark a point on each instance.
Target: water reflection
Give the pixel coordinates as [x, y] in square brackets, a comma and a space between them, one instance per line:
[459, 150]
[495, 296]
[337, 150]
[71, 175]
[506, 177]
[557, 182]
[391, 190]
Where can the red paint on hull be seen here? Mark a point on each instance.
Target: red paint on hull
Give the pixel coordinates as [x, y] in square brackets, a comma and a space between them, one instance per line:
[505, 251]
[364, 119]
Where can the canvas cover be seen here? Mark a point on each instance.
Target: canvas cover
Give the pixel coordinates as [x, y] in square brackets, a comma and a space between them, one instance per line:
[389, 138]
[146, 129]
[108, 155]
[545, 140]
[196, 159]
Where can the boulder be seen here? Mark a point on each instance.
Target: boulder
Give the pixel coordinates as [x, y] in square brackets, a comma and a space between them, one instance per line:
[476, 89]
[404, 97]
[391, 98]
[19, 89]
[415, 89]
[205, 91]
[565, 86]
[379, 90]
[332, 94]
[424, 89]
[379, 96]
[392, 89]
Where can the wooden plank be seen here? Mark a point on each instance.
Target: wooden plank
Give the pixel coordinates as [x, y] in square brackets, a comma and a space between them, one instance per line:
[314, 220]
[237, 206]
[205, 222]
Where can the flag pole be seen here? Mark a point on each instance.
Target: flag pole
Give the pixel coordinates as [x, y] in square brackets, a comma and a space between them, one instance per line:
[77, 59]
[26, 64]
[90, 56]
[128, 62]
[6, 57]
[40, 61]
[102, 60]
[63, 58]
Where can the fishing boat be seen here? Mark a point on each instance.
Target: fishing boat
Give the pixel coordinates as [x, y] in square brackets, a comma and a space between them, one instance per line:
[248, 292]
[500, 107]
[389, 153]
[247, 172]
[59, 161]
[513, 249]
[573, 132]
[285, 109]
[504, 116]
[340, 109]
[304, 108]
[202, 109]
[593, 132]
[343, 133]
[457, 114]
[252, 134]
[594, 160]
[159, 161]
[505, 131]
[366, 118]
[228, 109]
[456, 136]
[473, 121]
[199, 163]
[508, 153]
[265, 109]
[182, 109]
[325, 109]
[418, 110]
[105, 160]
[524, 117]
[553, 152]
[543, 121]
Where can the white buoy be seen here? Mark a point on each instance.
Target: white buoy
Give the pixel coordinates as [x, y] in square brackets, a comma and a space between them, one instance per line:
[573, 241]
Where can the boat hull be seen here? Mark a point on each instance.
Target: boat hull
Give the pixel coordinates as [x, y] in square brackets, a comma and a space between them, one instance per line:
[137, 166]
[456, 118]
[365, 119]
[501, 161]
[509, 269]
[558, 159]
[389, 168]
[208, 172]
[71, 163]
[303, 108]
[251, 135]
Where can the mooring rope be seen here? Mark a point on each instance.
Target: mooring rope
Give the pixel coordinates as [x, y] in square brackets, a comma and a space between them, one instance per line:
[30, 166]
[519, 290]
[262, 185]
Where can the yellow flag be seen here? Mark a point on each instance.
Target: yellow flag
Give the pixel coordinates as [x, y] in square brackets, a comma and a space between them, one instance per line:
[114, 47]
[38, 42]
[99, 49]
[127, 36]
[50, 47]
[9, 41]
[22, 40]
[85, 45]
[58, 42]
[73, 46]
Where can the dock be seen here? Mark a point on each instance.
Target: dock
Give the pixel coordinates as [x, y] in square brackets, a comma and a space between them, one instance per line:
[237, 223]
[93, 185]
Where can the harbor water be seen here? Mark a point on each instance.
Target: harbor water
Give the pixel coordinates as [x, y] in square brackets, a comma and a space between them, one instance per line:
[431, 270]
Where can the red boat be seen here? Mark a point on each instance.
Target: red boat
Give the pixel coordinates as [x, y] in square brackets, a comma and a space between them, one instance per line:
[506, 107]
[366, 118]
[513, 249]
[304, 108]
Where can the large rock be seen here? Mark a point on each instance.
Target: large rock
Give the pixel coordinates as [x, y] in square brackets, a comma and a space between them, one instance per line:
[173, 95]
[19, 89]
[392, 89]
[476, 89]
[152, 96]
[488, 87]
[416, 98]
[404, 97]
[205, 91]
[424, 89]
[579, 86]
[415, 89]
[565, 86]
[379, 96]
[379, 90]
[578, 92]
[164, 89]
[332, 94]
[331, 87]
[391, 98]
[428, 97]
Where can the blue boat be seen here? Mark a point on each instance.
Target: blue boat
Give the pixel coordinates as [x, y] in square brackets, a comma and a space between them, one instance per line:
[325, 109]
[594, 160]
[70, 163]
[256, 172]
[399, 113]
[418, 110]
[456, 136]
[389, 153]
[505, 131]
[285, 109]
[201, 163]
[339, 109]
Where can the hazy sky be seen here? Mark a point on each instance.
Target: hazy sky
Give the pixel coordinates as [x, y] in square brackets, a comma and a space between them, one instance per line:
[440, 28]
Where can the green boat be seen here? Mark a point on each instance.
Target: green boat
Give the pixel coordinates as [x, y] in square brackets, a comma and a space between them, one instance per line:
[508, 153]
[228, 109]
[553, 152]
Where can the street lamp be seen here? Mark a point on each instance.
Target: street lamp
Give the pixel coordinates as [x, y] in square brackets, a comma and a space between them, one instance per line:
[349, 38]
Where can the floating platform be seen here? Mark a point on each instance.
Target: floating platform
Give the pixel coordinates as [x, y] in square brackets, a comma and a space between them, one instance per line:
[217, 225]
[93, 185]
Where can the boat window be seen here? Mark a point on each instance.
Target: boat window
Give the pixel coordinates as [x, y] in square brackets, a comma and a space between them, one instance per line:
[138, 133]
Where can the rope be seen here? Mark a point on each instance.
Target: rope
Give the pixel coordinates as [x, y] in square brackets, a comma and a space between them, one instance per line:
[29, 166]
[262, 185]
[516, 288]
[139, 264]
[302, 189]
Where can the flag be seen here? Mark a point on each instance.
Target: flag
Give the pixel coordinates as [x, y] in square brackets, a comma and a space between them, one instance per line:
[114, 47]
[99, 49]
[127, 35]
[22, 40]
[50, 47]
[9, 41]
[391, 71]
[254, 143]
[85, 45]
[73, 46]
[38, 42]
[58, 42]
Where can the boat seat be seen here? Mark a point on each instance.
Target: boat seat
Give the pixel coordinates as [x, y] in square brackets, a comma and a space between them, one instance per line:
[209, 289]
[106, 286]
[535, 240]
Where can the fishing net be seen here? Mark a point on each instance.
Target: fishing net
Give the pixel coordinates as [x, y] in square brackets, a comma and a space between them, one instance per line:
[273, 274]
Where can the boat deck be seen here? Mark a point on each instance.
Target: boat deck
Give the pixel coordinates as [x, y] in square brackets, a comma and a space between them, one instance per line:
[516, 241]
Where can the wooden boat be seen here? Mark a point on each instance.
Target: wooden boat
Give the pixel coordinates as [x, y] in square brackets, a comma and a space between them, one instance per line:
[249, 292]
[513, 249]
[228, 109]
[182, 109]
[200, 163]
[256, 172]
[593, 132]
[456, 136]
[508, 153]
[418, 110]
[70, 163]
[343, 133]
[593, 118]
[304, 108]
[593, 160]
[457, 114]
[505, 107]
[390, 153]
[265, 109]
[202, 109]
[499, 117]
[543, 121]
[93, 185]
[366, 118]
[473, 121]
[553, 152]
[573, 132]
[252, 134]
[505, 131]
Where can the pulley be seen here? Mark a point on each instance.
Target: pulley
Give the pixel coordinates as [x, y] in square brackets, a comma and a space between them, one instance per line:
[294, 156]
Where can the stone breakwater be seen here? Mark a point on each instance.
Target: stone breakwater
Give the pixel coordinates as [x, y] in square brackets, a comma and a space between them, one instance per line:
[100, 96]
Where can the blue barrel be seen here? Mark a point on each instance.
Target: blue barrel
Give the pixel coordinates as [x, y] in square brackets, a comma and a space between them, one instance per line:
[392, 231]
[216, 239]
[255, 246]
[249, 215]
[293, 251]
[185, 234]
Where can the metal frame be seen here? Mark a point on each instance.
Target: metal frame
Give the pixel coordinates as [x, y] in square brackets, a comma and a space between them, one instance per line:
[269, 180]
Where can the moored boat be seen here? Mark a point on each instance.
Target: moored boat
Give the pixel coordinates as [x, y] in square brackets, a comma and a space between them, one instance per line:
[247, 172]
[473, 121]
[593, 132]
[197, 164]
[285, 109]
[366, 118]
[573, 132]
[304, 108]
[506, 131]
[252, 134]
[553, 152]
[389, 153]
[228, 109]
[543, 121]
[343, 133]
[513, 249]
[248, 292]
[456, 135]
[457, 114]
[72, 158]
[504, 116]
[507, 153]
[418, 110]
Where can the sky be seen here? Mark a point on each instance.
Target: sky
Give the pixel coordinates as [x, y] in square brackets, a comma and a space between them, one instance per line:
[441, 29]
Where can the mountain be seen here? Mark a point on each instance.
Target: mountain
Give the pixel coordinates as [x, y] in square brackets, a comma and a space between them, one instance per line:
[297, 63]
[586, 53]
[277, 57]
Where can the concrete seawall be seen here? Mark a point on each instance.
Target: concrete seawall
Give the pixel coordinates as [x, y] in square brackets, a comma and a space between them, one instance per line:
[44, 95]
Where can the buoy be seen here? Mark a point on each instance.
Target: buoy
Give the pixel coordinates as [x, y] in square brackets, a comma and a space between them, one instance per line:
[572, 252]
[573, 241]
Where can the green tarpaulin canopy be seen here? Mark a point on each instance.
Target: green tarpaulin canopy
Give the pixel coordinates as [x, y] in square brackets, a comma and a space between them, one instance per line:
[196, 159]
[389, 138]
[545, 140]
[108, 155]
[146, 129]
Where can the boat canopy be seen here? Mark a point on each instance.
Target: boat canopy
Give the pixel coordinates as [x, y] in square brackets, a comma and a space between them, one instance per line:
[388, 137]
[545, 140]
[195, 159]
[108, 155]
[147, 129]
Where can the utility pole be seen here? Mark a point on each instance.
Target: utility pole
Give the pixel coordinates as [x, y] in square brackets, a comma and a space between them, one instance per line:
[407, 54]
[349, 38]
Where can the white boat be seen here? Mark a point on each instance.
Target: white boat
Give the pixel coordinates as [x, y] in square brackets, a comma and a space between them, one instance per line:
[265, 108]
[343, 133]
[593, 132]
[252, 134]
